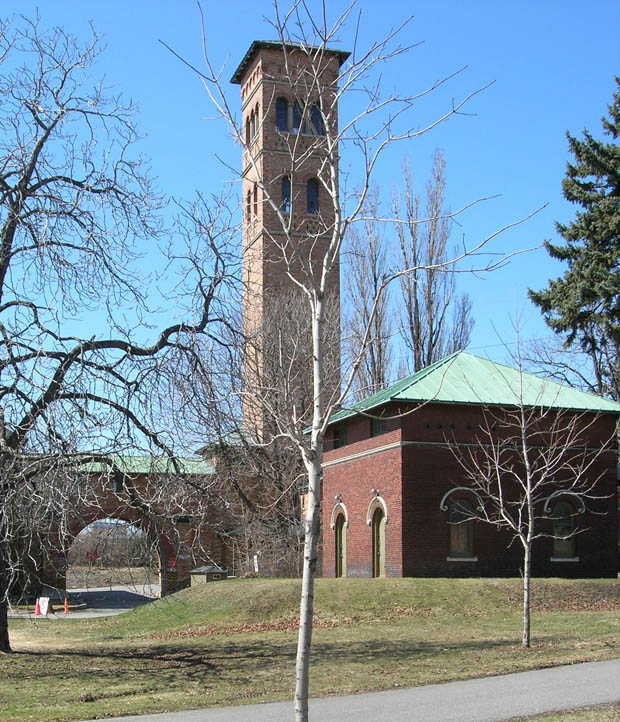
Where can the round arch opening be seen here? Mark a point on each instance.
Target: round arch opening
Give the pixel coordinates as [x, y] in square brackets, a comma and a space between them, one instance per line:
[112, 552]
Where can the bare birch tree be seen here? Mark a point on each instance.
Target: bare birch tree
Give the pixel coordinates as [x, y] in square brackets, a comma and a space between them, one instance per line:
[436, 319]
[530, 472]
[75, 204]
[307, 243]
[366, 264]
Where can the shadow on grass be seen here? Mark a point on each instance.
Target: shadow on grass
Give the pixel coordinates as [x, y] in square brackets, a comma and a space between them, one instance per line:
[200, 659]
[396, 651]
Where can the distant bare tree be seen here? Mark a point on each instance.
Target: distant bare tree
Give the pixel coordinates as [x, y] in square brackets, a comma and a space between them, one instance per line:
[366, 266]
[436, 319]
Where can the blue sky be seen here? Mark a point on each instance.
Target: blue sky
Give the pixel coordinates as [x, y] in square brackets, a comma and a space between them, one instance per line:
[552, 64]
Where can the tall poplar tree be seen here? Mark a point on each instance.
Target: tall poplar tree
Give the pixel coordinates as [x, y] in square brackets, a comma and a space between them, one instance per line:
[583, 305]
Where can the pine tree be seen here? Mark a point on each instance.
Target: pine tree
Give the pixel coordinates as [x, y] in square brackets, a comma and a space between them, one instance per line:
[584, 304]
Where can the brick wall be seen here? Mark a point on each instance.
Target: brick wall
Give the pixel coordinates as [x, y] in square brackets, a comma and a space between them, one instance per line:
[414, 471]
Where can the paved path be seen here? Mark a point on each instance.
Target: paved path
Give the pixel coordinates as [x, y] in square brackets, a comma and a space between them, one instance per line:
[476, 700]
[100, 602]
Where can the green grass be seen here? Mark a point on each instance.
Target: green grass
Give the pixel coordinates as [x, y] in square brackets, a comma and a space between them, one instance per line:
[603, 713]
[234, 642]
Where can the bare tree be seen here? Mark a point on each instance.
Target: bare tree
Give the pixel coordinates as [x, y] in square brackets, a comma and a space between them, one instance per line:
[232, 404]
[437, 320]
[75, 204]
[366, 266]
[530, 472]
[313, 217]
[574, 366]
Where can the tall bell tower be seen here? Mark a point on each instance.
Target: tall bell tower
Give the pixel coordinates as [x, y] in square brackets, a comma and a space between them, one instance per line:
[289, 178]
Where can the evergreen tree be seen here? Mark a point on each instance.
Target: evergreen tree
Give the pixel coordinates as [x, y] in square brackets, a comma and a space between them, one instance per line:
[584, 304]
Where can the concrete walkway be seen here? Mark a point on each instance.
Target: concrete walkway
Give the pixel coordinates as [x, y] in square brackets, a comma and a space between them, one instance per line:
[91, 602]
[477, 700]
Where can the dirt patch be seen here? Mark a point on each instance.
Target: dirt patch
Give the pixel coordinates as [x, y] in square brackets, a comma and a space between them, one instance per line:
[79, 577]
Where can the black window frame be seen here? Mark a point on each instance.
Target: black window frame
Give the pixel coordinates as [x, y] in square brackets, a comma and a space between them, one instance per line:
[282, 115]
[312, 197]
[285, 185]
[316, 120]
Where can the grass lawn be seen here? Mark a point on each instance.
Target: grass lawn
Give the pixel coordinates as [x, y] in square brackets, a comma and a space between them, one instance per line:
[234, 642]
[604, 713]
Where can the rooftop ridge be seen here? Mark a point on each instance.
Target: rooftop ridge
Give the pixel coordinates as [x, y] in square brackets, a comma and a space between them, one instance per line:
[479, 381]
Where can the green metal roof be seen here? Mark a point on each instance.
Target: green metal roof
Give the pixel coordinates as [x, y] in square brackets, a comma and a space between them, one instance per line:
[463, 378]
[151, 465]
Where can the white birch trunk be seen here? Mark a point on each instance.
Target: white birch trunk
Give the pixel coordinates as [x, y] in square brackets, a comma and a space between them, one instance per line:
[527, 562]
[312, 522]
[306, 608]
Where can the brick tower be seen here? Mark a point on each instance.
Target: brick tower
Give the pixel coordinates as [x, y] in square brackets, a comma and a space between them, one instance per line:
[289, 118]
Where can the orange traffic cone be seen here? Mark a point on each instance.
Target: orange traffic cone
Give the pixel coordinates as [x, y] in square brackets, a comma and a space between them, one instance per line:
[37, 609]
[66, 606]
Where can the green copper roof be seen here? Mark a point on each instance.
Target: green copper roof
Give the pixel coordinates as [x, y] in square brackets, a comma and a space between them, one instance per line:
[151, 465]
[463, 378]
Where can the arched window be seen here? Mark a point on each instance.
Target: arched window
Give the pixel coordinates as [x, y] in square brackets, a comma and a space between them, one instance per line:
[312, 197]
[248, 207]
[563, 516]
[282, 115]
[286, 195]
[340, 530]
[461, 529]
[316, 119]
[378, 542]
[255, 200]
[248, 129]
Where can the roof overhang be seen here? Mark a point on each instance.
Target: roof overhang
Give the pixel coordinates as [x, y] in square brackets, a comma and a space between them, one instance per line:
[258, 45]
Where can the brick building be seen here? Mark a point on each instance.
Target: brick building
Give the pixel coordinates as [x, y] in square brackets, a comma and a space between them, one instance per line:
[393, 485]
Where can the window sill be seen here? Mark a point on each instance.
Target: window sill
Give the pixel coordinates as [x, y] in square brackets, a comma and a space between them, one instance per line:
[461, 559]
[564, 559]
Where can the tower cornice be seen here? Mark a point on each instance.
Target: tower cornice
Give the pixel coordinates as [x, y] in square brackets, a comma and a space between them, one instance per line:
[258, 45]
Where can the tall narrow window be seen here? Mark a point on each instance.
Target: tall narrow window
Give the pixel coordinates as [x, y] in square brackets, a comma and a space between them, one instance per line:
[282, 115]
[563, 530]
[461, 530]
[378, 543]
[312, 196]
[248, 207]
[255, 200]
[317, 120]
[296, 125]
[341, 546]
[286, 194]
[248, 129]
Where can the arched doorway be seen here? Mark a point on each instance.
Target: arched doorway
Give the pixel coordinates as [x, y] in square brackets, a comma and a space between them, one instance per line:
[378, 542]
[112, 552]
[341, 546]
